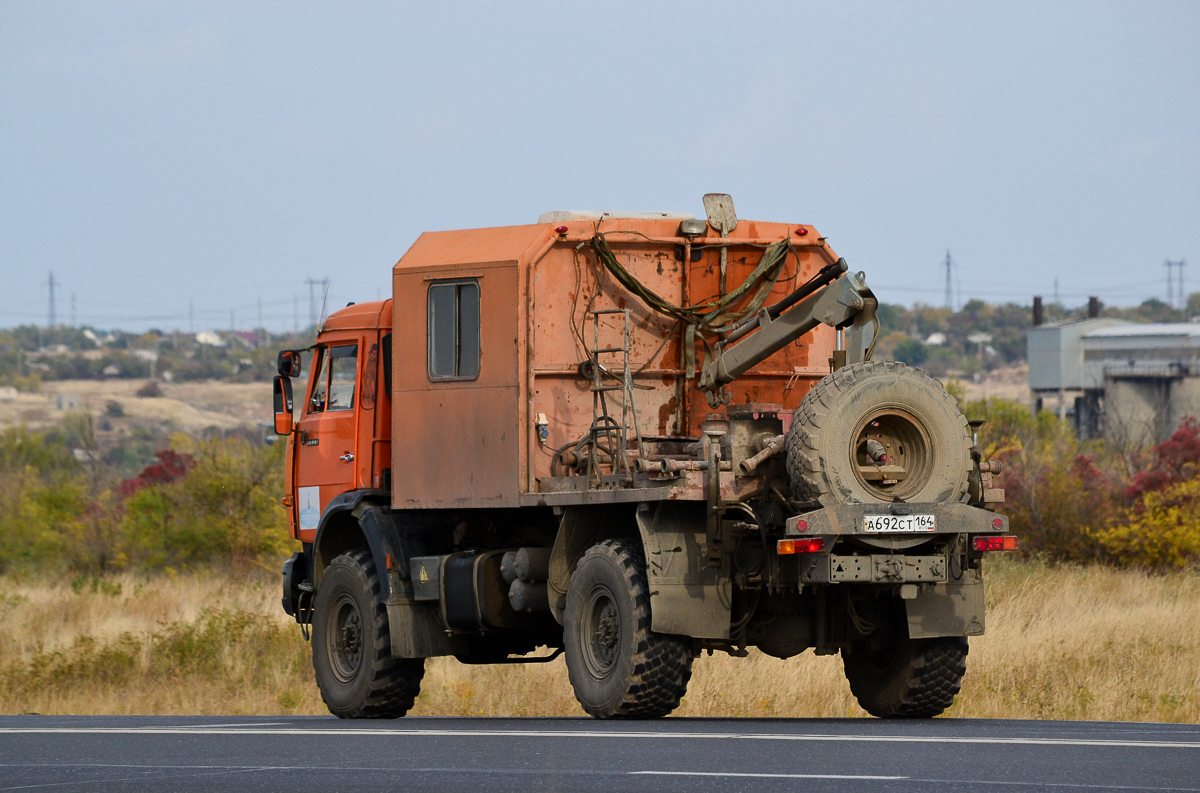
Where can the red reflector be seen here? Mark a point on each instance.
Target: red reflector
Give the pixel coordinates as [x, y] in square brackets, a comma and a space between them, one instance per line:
[997, 523]
[560, 229]
[806, 545]
[801, 525]
[801, 232]
[1007, 542]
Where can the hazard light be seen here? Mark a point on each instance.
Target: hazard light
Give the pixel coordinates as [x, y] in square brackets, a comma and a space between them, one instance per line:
[806, 545]
[1006, 542]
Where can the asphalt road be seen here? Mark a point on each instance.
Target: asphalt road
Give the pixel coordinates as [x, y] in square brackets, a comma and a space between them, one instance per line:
[323, 754]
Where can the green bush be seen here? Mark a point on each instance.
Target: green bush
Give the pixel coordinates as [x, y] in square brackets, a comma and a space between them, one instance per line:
[220, 507]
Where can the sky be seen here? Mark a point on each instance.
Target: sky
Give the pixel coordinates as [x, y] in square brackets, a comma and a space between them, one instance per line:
[175, 165]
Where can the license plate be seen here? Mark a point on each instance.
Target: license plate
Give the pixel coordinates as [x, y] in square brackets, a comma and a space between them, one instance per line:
[899, 523]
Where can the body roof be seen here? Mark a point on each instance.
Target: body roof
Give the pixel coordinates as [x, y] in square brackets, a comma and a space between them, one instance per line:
[469, 246]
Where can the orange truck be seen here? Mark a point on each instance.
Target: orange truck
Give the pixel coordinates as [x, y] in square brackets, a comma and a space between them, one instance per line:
[629, 438]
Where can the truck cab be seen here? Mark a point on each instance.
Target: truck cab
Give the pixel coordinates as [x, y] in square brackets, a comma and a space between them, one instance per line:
[341, 439]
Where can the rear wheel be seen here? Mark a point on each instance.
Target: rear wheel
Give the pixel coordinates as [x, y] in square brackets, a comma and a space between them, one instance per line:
[618, 667]
[893, 676]
[351, 643]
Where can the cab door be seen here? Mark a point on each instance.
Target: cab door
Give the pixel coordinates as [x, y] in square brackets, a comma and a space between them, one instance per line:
[327, 433]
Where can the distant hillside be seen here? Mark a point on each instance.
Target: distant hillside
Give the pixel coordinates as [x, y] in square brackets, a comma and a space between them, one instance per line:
[30, 355]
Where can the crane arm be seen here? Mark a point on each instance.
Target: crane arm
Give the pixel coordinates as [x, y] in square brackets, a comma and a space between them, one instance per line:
[843, 301]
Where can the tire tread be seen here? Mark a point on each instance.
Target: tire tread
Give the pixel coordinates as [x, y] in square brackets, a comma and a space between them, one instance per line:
[395, 682]
[662, 664]
[930, 682]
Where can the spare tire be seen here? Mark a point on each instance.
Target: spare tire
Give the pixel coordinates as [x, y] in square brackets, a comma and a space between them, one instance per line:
[878, 432]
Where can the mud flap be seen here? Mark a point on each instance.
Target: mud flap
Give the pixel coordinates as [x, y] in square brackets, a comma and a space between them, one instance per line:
[687, 597]
[416, 632]
[951, 609]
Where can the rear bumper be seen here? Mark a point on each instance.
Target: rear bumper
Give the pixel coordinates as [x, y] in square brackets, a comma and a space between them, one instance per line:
[847, 519]
[891, 557]
[934, 572]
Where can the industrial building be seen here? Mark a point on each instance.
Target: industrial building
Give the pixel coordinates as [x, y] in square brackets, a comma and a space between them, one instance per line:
[1130, 382]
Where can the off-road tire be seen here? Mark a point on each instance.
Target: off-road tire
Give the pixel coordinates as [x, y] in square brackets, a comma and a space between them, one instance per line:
[914, 679]
[369, 683]
[619, 668]
[821, 462]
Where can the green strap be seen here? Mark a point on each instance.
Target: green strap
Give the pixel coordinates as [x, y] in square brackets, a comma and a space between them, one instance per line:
[715, 315]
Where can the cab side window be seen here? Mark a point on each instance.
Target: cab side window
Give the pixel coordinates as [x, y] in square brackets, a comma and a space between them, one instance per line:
[343, 373]
[454, 330]
[316, 403]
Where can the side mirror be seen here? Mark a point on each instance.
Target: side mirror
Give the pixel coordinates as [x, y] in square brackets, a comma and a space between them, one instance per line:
[282, 388]
[288, 364]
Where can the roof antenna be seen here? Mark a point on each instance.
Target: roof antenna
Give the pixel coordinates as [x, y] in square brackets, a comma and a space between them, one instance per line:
[324, 300]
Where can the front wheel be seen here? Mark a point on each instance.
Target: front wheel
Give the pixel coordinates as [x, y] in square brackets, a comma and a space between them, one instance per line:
[351, 644]
[618, 667]
[893, 676]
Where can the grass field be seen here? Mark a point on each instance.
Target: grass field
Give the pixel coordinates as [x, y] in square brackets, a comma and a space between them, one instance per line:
[1062, 643]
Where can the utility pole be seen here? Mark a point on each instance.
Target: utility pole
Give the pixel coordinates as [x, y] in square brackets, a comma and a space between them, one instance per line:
[191, 317]
[72, 309]
[1172, 282]
[949, 288]
[296, 313]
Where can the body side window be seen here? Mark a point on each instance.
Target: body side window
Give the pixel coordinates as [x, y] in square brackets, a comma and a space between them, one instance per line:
[454, 330]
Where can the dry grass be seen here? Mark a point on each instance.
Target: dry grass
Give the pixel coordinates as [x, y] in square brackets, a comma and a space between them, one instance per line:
[1072, 643]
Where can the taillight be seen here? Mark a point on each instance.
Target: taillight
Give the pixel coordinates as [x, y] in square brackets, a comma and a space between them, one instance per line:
[806, 545]
[1007, 542]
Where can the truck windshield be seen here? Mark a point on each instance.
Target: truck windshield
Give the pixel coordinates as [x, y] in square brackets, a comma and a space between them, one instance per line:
[343, 372]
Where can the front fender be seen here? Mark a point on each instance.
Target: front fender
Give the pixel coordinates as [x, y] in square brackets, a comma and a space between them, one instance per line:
[353, 520]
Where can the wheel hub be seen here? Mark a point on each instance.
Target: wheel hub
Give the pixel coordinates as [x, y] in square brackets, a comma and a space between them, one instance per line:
[602, 632]
[892, 453]
[346, 639]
